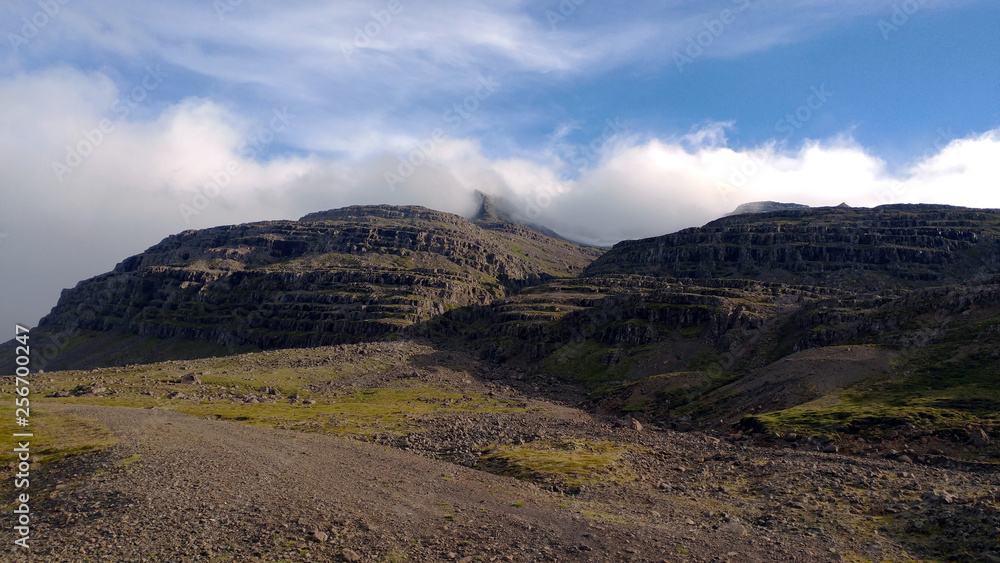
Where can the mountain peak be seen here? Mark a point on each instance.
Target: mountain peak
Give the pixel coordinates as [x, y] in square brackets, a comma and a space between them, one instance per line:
[488, 213]
[765, 207]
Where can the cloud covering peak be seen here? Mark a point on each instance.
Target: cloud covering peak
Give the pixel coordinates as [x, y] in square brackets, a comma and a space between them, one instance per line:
[124, 123]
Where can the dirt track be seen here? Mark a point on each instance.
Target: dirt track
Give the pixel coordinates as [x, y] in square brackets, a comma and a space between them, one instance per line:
[180, 488]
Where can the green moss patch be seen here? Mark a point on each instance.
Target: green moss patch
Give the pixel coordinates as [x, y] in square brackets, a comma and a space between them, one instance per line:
[944, 389]
[56, 436]
[570, 462]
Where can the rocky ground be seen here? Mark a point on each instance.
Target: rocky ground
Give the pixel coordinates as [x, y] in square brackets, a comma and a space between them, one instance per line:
[485, 465]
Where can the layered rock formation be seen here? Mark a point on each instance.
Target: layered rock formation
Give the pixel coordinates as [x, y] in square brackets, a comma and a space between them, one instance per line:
[664, 327]
[892, 246]
[349, 274]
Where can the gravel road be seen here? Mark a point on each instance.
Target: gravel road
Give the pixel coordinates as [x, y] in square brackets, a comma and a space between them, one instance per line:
[181, 488]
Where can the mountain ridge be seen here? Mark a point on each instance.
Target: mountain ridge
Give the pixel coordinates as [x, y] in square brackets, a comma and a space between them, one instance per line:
[664, 327]
[348, 274]
[888, 246]
[764, 207]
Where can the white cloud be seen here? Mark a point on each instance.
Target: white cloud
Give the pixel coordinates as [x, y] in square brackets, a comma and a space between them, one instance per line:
[126, 195]
[632, 187]
[295, 51]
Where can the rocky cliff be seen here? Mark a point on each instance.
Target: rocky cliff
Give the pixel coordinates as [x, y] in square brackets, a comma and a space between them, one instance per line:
[683, 328]
[893, 246]
[349, 274]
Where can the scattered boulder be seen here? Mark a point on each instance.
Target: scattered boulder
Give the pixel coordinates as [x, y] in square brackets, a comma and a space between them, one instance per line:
[937, 497]
[93, 389]
[979, 438]
[190, 379]
[350, 555]
[733, 528]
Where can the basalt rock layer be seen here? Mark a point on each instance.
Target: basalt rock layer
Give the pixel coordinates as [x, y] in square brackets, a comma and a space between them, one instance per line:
[685, 329]
[358, 273]
[888, 247]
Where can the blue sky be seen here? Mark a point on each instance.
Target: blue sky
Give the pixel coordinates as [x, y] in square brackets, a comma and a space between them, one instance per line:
[602, 121]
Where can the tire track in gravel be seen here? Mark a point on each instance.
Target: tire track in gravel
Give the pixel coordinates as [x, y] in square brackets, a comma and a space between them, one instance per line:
[180, 488]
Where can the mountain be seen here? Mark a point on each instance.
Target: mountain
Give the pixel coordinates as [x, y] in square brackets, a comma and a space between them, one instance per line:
[745, 316]
[765, 207]
[888, 247]
[728, 363]
[842, 323]
[357, 273]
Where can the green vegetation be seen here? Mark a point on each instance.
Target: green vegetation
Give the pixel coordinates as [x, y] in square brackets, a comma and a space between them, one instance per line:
[362, 413]
[57, 436]
[394, 556]
[570, 462]
[323, 381]
[588, 363]
[671, 391]
[944, 388]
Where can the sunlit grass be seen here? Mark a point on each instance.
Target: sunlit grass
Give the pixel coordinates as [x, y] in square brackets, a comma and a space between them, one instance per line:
[362, 412]
[570, 462]
[56, 437]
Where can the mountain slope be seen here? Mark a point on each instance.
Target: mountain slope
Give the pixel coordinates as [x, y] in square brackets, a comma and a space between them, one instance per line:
[740, 317]
[349, 274]
[892, 246]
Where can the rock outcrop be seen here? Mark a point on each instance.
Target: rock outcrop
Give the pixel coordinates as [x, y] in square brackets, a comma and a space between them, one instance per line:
[892, 246]
[357, 273]
[765, 207]
[663, 326]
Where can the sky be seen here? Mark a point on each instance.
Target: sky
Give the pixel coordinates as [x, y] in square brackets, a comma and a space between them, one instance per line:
[124, 122]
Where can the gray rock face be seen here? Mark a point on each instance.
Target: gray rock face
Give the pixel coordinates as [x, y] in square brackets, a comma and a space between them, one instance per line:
[888, 246]
[765, 207]
[351, 274]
